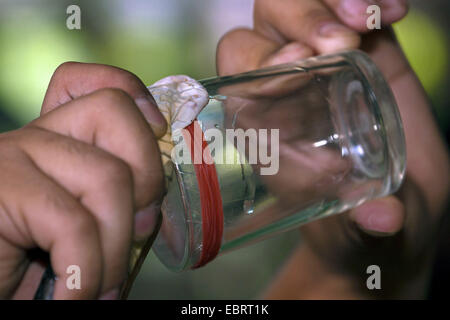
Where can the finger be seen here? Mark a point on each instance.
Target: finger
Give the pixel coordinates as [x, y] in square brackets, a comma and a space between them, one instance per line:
[53, 220]
[415, 113]
[380, 217]
[309, 22]
[243, 50]
[110, 120]
[145, 221]
[72, 80]
[102, 183]
[354, 13]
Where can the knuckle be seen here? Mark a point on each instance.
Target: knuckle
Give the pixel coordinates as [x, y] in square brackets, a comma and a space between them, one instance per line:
[232, 56]
[63, 67]
[125, 80]
[128, 78]
[260, 6]
[13, 141]
[113, 95]
[231, 36]
[113, 101]
[79, 221]
[82, 223]
[114, 171]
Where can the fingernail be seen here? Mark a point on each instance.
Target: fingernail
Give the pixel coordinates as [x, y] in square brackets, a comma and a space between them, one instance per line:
[145, 220]
[110, 295]
[355, 7]
[334, 29]
[149, 109]
[376, 224]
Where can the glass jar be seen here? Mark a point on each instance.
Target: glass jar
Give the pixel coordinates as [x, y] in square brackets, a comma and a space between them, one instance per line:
[289, 144]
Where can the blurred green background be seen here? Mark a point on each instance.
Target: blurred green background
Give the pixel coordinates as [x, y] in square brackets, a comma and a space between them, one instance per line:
[161, 37]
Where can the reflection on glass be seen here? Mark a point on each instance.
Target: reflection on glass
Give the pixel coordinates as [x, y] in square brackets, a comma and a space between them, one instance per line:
[334, 126]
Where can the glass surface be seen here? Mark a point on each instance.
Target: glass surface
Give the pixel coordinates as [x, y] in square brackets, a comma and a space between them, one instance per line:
[340, 143]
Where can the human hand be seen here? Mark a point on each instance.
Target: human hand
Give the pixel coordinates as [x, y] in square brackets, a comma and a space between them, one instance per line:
[394, 232]
[73, 179]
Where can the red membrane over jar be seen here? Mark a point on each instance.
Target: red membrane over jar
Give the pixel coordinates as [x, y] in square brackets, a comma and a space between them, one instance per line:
[331, 123]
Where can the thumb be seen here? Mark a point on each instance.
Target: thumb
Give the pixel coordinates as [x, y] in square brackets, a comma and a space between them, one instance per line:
[242, 50]
[380, 217]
